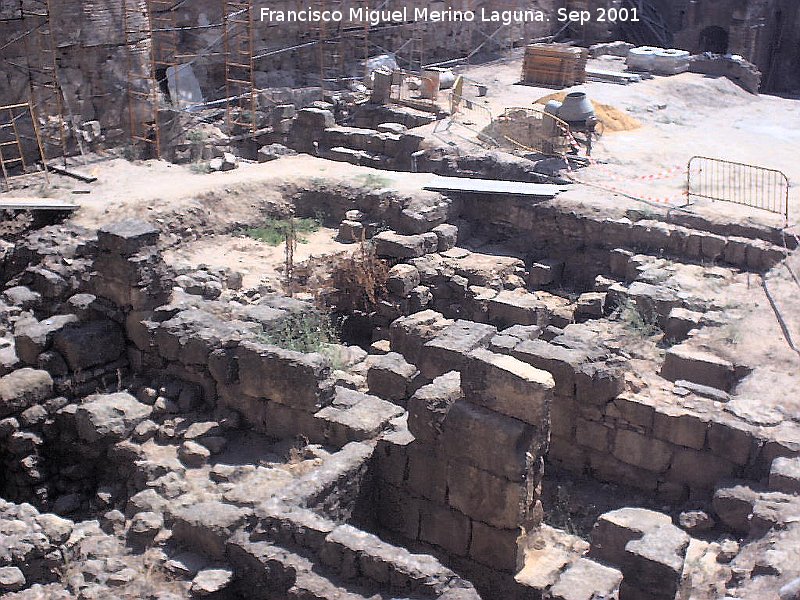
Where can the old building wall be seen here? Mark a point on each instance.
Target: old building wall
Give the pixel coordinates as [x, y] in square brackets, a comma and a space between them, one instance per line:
[765, 32]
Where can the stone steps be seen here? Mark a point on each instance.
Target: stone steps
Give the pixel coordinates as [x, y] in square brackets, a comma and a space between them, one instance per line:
[352, 558]
[555, 568]
[264, 567]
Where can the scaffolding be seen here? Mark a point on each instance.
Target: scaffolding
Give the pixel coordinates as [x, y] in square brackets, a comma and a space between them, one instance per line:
[330, 39]
[142, 85]
[329, 48]
[416, 54]
[165, 39]
[240, 86]
[47, 100]
[12, 154]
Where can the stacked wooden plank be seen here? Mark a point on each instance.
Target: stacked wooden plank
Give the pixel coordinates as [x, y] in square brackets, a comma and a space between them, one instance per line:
[554, 64]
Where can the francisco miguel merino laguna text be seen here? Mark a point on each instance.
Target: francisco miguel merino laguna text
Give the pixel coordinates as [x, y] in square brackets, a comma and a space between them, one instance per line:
[378, 17]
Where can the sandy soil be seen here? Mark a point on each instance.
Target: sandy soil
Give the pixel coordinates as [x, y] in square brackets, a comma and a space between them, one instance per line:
[683, 116]
[260, 263]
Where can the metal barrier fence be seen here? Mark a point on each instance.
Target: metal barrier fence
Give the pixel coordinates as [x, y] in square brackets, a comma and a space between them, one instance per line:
[749, 185]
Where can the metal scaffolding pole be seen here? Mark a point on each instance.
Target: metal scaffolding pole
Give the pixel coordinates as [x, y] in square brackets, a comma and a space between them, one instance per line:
[142, 85]
[47, 100]
[240, 87]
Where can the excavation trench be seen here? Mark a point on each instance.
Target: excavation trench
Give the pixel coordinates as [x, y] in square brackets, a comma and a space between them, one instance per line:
[499, 341]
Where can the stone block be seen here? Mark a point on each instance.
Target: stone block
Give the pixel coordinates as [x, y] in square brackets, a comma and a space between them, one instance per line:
[444, 527]
[597, 383]
[593, 435]
[614, 530]
[32, 337]
[508, 386]
[618, 261]
[559, 361]
[448, 236]
[430, 404]
[712, 246]
[493, 442]
[545, 272]
[427, 473]
[350, 231]
[126, 237]
[87, 345]
[784, 475]
[591, 305]
[523, 333]
[393, 245]
[733, 504]
[409, 334]
[391, 457]
[315, 118]
[109, 418]
[488, 498]
[206, 526]
[11, 579]
[606, 467]
[22, 389]
[564, 452]
[641, 451]
[697, 366]
[402, 279]
[701, 471]
[585, 580]
[493, 547]
[392, 378]
[655, 562]
[355, 416]
[517, 307]
[398, 511]
[680, 322]
[22, 297]
[449, 349]
[293, 378]
[679, 428]
[632, 410]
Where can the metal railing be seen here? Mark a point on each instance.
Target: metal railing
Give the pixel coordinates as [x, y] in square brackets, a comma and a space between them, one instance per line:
[531, 129]
[739, 183]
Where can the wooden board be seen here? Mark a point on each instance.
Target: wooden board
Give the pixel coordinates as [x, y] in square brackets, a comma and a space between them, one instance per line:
[493, 186]
[21, 203]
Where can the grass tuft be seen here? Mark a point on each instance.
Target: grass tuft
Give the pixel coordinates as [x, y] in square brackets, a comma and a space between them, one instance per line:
[643, 326]
[274, 231]
[311, 331]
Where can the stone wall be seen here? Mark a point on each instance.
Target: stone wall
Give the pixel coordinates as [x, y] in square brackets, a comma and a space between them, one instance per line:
[466, 479]
[542, 230]
[764, 32]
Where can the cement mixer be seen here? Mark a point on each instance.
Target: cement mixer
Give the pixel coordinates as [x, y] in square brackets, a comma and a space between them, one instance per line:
[578, 112]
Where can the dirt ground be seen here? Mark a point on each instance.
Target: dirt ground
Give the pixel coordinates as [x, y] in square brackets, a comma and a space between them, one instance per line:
[260, 263]
[683, 116]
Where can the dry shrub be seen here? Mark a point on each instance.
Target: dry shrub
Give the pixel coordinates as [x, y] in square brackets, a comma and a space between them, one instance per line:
[358, 281]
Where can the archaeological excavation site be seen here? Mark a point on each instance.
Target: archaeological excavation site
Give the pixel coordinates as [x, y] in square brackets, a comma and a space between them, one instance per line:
[337, 300]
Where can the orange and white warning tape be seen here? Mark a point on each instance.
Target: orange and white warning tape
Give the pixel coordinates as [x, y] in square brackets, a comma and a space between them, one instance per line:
[663, 174]
[675, 200]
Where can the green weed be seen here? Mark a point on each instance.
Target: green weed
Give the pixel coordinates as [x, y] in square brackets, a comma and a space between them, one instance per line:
[311, 331]
[641, 325]
[274, 231]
